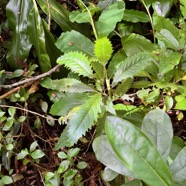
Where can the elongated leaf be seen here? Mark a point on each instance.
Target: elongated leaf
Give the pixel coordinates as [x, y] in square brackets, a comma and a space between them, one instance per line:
[67, 85]
[74, 41]
[178, 167]
[135, 16]
[137, 152]
[61, 16]
[17, 12]
[108, 19]
[169, 39]
[68, 102]
[131, 66]
[37, 37]
[106, 155]
[162, 7]
[103, 50]
[136, 43]
[77, 62]
[82, 121]
[155, 125]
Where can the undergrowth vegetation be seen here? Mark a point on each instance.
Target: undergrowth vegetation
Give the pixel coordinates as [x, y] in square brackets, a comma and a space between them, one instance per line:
[93, 93]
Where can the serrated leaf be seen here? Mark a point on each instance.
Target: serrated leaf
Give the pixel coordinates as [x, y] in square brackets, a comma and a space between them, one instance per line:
[67, 85]
[178, 167]
[103, 150]
[82, 121]
[108, 19]
[68, 102]
[77, 62]
[135, 43]
[75, 41]
[103, 50]
[131, 66]
[135, 16]
[137, 152]
[155, 124]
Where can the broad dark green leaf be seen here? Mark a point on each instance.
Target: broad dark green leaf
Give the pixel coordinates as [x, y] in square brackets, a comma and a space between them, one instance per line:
[83, 120]
[135, 16]
[158, 128]
[105, 154]
[74, 41]
[108, 19]
[68, 102]
[137, 152]
[37, 37]
[162, 7]
[135, 43]
[61, 16]
[131, 66]
[178, 167]
[17, 12]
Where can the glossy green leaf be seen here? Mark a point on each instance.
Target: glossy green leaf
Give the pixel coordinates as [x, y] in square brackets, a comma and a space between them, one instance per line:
[178, 167]
[7, 180]
[108, 19]
[79, 17]
[180, 102]
[108, 174]
[162, 7]
[166, 36]
[103, 150]
[74, 41]
[135, 16]
[183, 7]
[103, 50]
[137, 152]
[68, 102]
[82, 165]
[155, 125]
[135, 43]
[37, 154]
[131, 66]
[67, 85]
[82, 121]
[61, 16]
[76, 62]
[22, 154]
[17, 12]
[99, 70]
[37, 37]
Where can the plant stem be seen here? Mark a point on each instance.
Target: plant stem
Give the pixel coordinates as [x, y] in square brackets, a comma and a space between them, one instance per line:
[107, 81]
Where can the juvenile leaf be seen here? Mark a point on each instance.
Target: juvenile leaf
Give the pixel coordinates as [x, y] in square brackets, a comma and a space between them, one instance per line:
[37, 154]
[17, 12]
[178, 167]
[108, 19]
[68, 102]
[103, 50]
[135, 16]
[82, 121]
[155, 125]
[99, 70]
[67, 85]
[131, 66]
[77, 62]
[103, 150]
[135, 43]
[37, 37]
[137, 152]
[75, 41]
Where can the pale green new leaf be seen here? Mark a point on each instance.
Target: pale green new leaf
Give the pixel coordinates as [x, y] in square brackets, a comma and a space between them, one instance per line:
[68, 102]
[108, 19]
[75, 41]
[82, 121]
[76, 62]
[105, 154]
[178, 167]
[131, 66]
[66, 85]
[135, 16]
[103, 50]
[137, 152]
[155, 125]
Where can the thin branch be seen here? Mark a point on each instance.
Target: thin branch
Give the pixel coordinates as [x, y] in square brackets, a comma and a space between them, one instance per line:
[34, 78]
